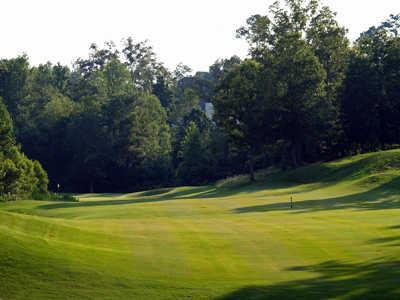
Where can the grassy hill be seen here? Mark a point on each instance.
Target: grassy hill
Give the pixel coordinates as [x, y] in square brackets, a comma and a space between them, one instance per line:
[340, 240]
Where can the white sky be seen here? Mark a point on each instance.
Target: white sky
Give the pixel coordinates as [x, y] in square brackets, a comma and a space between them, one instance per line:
[195, 32]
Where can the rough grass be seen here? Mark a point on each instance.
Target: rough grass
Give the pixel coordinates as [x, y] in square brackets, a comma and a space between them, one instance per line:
[341, 239]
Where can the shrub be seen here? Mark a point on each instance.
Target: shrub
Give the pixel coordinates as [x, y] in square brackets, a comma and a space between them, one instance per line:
[19, 176]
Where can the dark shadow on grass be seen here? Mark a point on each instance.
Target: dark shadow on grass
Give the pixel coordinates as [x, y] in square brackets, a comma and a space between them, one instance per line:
[387, 241]
[159, 195]
[103, 195]
[308, 178]
[378, 279]
[169, 194]
[272, 187]
[155, 192]
[89, 204]
[386, 196]
[394, 227]
[142, 197]
[311, 177]
[390, 241]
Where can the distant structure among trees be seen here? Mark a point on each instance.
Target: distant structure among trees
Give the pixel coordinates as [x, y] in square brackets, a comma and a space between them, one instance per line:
[207, 107]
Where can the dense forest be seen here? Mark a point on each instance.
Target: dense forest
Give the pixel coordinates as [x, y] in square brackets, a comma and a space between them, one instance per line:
[119, 120]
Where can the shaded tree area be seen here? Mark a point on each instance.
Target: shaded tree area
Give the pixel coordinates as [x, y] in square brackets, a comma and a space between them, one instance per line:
[371, 97]
[302, 54]
[310, 96]
[116, 121]
[19, 176]
[119, 120]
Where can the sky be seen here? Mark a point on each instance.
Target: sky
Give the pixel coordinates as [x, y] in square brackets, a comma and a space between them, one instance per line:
[194, 32]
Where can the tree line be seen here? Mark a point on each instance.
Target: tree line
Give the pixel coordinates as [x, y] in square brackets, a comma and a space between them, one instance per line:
[305, 94]
[119, 120]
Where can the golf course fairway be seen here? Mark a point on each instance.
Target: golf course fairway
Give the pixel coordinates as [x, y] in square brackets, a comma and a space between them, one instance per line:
[341, 239]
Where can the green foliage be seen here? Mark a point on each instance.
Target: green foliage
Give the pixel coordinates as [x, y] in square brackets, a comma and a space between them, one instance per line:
[239, 107]
[194, 166]
[150, 138]
[298, 104]
[184, 104]
[117, 79]
[370, 104]
[304, 53]
[118, 120]
[14, 74]
[41, 175]
[19, 176]
[7, 140]
[142, 63]
[149, 132]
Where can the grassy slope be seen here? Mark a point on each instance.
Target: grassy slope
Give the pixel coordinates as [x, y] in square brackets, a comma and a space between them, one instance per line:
[341, 240]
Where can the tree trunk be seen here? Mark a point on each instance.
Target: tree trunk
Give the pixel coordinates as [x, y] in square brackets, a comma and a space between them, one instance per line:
[295, 154]
[251, 170]
[91, 187]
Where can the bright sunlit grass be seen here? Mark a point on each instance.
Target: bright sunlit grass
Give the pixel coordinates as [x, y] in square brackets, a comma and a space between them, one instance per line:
[341, 239]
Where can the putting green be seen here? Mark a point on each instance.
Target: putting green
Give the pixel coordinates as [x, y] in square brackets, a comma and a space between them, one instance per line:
[340, 240]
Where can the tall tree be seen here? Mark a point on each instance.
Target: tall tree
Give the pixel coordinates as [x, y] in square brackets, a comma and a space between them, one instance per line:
[150, 138]
[142, 63]
[370, 103]
[299, 106]
[7, 140]
[194, 166]
[239, 109]
[13, 77]
[298, 44]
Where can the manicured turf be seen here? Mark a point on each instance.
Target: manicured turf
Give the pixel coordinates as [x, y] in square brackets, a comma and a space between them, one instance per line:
[341, 239]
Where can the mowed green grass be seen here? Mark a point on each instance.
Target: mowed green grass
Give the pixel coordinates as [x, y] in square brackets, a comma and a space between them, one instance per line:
[341, 239]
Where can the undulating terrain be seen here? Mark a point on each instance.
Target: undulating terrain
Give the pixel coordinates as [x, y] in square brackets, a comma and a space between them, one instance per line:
[232, 241]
